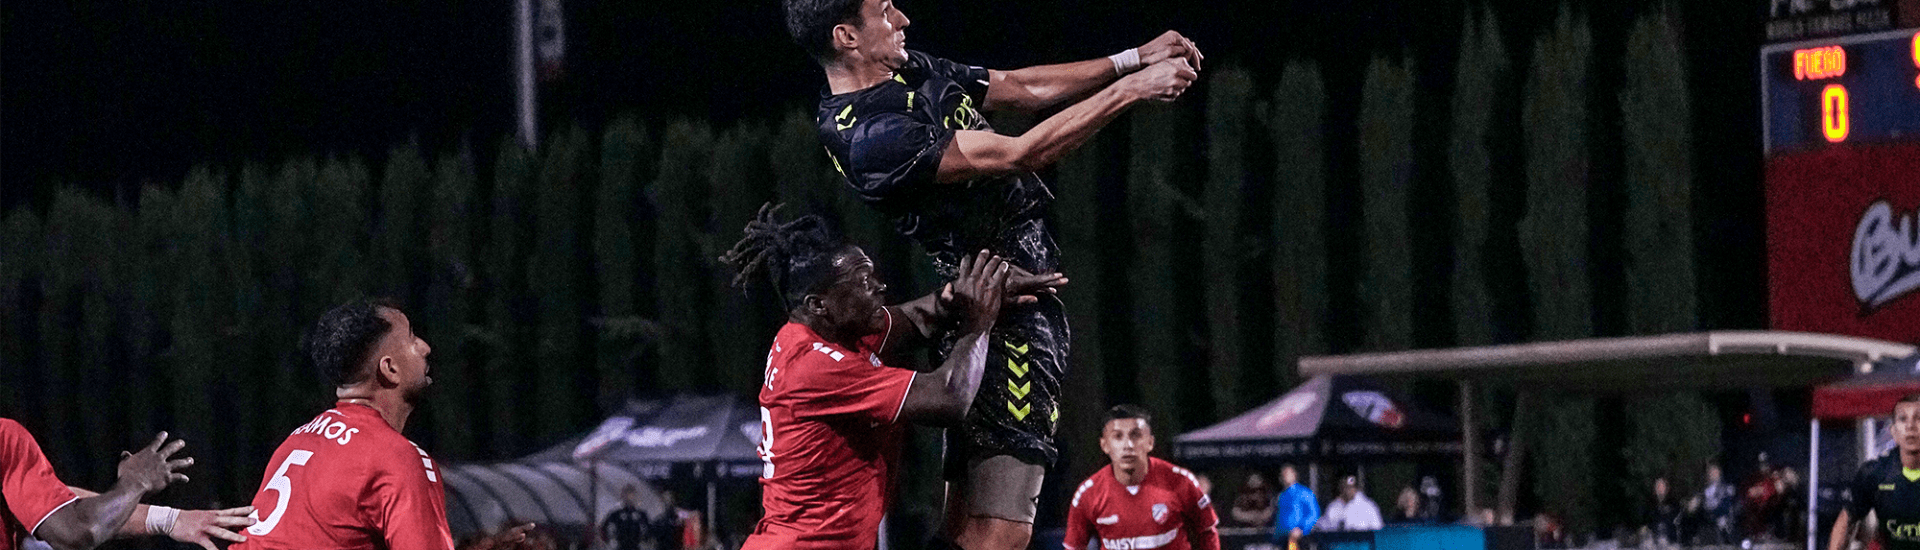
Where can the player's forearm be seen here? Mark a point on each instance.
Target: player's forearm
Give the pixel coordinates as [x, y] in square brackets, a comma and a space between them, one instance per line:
[1039, 87]
[90, 521]
[1837, 539]
[960, 376]
[1067, 130]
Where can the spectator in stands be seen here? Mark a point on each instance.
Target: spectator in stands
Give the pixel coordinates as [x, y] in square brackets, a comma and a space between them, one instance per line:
[1254, 504]
[1352, 510]
[670, 529]
[628, 527]
[1791, 522]
[1759, 507]
[1295, 511]
[1432, 500]
[1717, 498]
[1406, 508]
[1660, 515]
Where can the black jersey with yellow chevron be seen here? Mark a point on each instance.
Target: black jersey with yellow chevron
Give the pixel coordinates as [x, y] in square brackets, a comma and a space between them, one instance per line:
[887, 141]
[1892, 493]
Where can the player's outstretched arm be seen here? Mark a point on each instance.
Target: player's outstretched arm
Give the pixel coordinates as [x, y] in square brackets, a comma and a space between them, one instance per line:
[1842, 531]
[917, 322]
[89, 521]
[975, 154]
[197, 527]
[1043, 86]
[942, 397]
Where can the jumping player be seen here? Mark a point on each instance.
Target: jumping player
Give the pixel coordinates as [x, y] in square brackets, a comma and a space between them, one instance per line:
[1889, 487]
[831, 410]
[905, 130]
[348, 480]
[1140, 502]
[34, 502]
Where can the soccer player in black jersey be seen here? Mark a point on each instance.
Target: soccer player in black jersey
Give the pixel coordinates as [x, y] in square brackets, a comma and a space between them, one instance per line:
[905, 130]
[1889, 487]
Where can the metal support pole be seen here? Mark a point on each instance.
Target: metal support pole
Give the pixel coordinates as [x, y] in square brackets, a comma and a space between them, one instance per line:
[1469, 452]
[523, 73]
[1813, 482]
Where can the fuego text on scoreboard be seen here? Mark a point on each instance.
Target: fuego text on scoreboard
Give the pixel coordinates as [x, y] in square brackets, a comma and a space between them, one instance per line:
[1850, 89]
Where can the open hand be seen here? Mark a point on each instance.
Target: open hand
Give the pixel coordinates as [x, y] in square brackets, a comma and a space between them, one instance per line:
[149, 470]
[1025, 288]
[202, 526]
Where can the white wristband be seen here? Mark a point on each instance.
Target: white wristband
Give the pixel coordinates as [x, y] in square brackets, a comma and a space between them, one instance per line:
[1126, 62]
[160, 519]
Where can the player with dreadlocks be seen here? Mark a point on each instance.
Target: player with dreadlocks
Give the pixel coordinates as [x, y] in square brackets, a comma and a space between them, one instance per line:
[831, 410]
[905, 131]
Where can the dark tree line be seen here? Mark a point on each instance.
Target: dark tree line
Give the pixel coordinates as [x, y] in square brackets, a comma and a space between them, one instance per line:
[1211, 243]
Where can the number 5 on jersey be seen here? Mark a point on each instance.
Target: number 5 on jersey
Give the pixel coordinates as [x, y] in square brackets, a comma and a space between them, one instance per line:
[283, 487]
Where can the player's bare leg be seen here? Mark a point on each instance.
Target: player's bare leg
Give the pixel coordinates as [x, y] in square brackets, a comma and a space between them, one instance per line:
[993, 508]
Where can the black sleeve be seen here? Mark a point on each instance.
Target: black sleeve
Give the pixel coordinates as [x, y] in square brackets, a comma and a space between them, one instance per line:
[892, 152]
[1863, 489]
[970, 78]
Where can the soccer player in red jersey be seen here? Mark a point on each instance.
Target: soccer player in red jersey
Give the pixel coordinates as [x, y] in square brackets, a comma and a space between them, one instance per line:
[831, 409]
[348, 479]
[34, 502]
[1139, 502]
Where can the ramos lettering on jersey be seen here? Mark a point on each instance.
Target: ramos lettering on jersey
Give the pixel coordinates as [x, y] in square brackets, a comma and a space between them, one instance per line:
[1842, 139]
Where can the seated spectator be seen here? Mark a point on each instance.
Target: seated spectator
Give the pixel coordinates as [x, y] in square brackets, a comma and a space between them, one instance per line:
[1406, 508]
[1254, 504]
[1352, 510]
[1717, 498]
[1660, 515]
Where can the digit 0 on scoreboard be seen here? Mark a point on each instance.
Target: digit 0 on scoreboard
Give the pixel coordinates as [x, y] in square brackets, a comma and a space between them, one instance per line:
[1845, 91]
[1833, 113]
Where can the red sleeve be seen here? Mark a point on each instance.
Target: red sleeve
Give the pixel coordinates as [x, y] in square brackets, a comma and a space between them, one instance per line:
[823, 385]
[1079, 524]
[408, 506]
[26, 478]
[1202, 522]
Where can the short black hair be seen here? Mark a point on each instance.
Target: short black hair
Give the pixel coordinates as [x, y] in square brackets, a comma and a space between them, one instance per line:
[339, 343]
[1910, 398]
[1125, 411]
[811, 23]
[795, 257]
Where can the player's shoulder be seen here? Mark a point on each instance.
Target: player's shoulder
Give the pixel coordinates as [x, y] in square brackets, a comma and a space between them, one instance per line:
[1884, 466]
[1092, 485]
[1173, 473]
[10, 428]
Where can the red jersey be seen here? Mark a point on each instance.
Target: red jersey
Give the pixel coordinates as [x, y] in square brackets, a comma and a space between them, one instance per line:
[347, 480]
[830, 438]
[28, 489]
[1167, 510]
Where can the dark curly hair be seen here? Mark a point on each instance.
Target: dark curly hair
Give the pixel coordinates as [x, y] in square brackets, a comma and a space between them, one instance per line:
[339, 343]
[811, 23]
[795, 257]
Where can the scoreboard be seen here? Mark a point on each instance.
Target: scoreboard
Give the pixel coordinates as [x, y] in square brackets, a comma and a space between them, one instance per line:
[1842, 140]
[1853, 89]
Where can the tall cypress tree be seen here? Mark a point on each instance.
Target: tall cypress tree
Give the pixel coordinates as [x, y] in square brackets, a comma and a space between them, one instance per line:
[1656, 120]
[1553, 234]
[1481, 72]
[20, 245]
[1152, 204]
[626, 157]
[555, 276]
[1229, 113]
[686, 148]
[455, 218]
[505, 250]
[1386, 179]
[199, 322]
[1297, 126]
[1084, 241]
[739, 186]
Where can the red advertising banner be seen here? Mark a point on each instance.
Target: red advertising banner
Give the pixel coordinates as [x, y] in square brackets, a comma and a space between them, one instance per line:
[1843, 242]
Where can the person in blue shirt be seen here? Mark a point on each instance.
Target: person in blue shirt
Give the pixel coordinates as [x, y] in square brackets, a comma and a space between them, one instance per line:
[1296, 510]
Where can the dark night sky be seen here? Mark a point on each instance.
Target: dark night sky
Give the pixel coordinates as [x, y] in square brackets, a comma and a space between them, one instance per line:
[110, 95]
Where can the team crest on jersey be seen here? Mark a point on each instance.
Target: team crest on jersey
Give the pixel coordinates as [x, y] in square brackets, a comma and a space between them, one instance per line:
[1160, 513]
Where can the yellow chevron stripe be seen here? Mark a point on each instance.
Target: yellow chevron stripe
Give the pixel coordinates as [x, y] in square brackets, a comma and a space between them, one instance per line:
[1017, 350]
[1020, 391]
[1021, 412]
[1018, 369]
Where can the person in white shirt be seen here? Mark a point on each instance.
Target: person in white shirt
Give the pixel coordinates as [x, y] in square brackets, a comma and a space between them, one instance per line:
[1352, 511]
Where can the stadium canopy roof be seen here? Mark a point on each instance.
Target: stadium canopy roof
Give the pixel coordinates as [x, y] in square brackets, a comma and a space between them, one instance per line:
[1702, 360]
